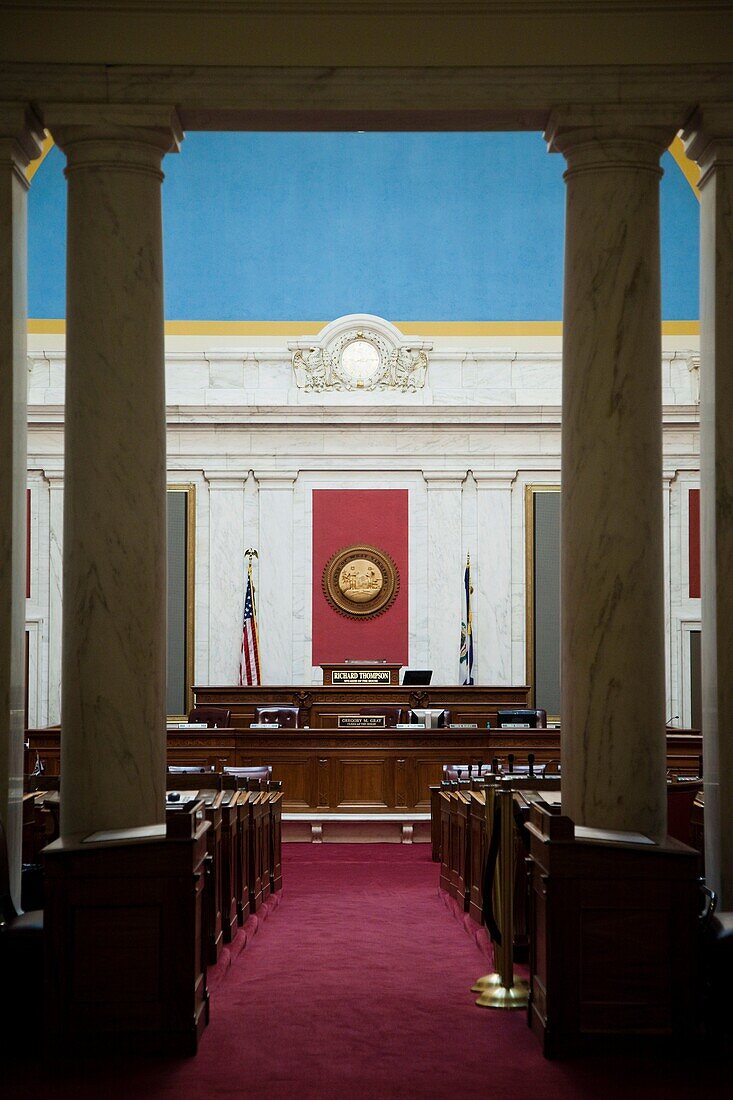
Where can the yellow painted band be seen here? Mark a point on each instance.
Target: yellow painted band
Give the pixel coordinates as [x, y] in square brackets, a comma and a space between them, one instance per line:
[36, 164]
[688, 167]
[57, 326]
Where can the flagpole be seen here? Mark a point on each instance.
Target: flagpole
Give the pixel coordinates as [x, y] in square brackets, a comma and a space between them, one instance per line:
[469, 619]
[250, 553]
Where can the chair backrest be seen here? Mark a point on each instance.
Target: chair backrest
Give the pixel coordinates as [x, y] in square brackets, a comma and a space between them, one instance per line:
[43, 782]
[392, 715]
[461, 772]
[288, 717]
[193, 780]
[258, 771]
[524, 714]
[681, 795]
[213, 716]
[189, 769]
[252, 779]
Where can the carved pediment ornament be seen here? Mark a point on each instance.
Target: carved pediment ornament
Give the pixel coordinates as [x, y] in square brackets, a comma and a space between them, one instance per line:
[360, 582]
[360, 352]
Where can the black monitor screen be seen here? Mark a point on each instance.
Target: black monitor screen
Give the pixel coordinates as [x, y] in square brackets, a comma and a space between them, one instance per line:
[517, 719]
[417, 676]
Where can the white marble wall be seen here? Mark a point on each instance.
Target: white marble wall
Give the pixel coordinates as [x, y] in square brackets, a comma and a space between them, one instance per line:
[492, 578]
[228, 568]
[445, 574]
[486, 426]
[55, 574]
[276, 612]
[685, 611]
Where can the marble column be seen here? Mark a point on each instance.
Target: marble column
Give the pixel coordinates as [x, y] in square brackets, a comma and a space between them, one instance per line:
[612, 660]
[55, 581]
[492, 606]
[114, 580]
[228, 573]
[20, 141]
[275, 568]
[667, 482]
[446, 563]
[709, 140]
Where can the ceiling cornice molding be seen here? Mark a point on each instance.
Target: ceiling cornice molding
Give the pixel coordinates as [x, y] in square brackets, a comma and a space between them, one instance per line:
[368, 7]
[216, 97]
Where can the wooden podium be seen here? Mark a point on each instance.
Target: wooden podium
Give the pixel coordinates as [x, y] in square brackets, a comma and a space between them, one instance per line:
[355, 674]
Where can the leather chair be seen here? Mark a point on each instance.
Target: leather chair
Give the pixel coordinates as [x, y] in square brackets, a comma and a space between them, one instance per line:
[538, 714]
[256, 778]
[287, 717]
[392, 715]
[460, 772]
[215, 717]
[193, 779]
[681, 794]
[444, 719]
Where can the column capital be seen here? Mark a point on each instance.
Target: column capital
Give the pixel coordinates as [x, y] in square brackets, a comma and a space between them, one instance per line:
[497, 480]
[226, 480]
[276, 479]
[444, 479]
[21, 137]
[598, 136]
[140, 135]
[55, 478]
[708, 138]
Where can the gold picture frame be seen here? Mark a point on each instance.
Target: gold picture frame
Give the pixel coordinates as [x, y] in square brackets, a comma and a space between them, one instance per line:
[361, 581]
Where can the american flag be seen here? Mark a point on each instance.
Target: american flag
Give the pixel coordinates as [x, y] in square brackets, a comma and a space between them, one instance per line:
[249, 660]
[465, 660]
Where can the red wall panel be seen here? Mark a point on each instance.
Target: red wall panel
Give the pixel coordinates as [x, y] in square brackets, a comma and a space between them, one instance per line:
[344, 517]
[694, 536]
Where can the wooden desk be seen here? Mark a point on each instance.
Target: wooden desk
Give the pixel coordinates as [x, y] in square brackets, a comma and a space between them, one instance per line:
[358, 770]
[614, 936]
[123, 958]
[322, 703]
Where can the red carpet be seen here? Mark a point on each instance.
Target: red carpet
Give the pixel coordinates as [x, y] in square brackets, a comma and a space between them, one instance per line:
[356, 987]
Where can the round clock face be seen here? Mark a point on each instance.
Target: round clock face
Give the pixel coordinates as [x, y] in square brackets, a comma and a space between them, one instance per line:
[360, 581]
[360, 362]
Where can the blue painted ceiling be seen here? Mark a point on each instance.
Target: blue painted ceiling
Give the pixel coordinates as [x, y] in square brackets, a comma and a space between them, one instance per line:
[309, 226]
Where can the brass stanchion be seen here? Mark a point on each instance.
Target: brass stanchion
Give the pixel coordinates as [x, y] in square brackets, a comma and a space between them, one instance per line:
[500, 990]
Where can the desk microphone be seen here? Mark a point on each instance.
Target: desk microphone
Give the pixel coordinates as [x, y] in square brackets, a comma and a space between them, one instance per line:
[674, 718]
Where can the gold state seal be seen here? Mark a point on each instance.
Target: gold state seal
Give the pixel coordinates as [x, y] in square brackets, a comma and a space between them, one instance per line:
[360, 581]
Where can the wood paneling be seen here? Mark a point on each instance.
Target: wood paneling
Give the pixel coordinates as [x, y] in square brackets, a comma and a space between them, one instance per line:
[322, 703]
[613, 936]
[358, 770]
[363, 783]
[125, 964]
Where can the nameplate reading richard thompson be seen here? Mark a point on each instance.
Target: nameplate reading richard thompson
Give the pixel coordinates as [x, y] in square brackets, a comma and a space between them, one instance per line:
[360, 676]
